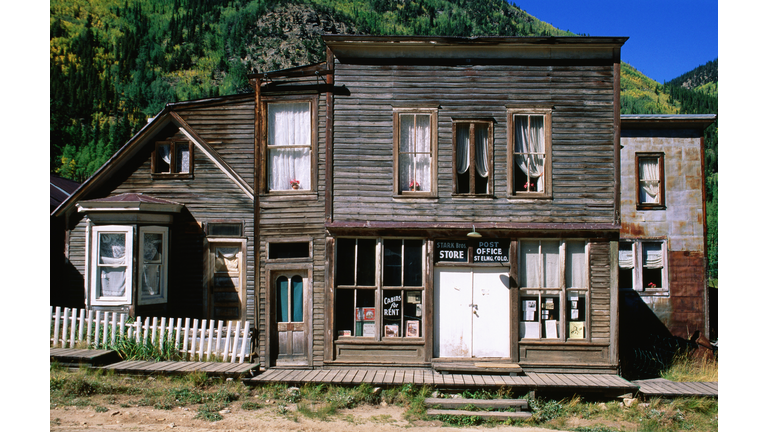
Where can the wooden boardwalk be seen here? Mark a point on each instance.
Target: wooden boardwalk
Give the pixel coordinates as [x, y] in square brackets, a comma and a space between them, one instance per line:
[659, 387]
[143, 367]
[600, 383]
[90, 357]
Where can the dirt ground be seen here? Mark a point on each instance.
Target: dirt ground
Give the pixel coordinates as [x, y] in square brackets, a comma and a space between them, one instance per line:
[363, 418]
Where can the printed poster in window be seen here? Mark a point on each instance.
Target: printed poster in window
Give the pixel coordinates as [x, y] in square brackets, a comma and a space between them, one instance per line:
[369, 314]
[369, 330]
[412, 328]
[576, 330]
[391, 330]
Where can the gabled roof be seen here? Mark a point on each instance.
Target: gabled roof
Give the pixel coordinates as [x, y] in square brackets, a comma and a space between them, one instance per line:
[61, 189]
[147, 133]
[667, 121]
[129, 202]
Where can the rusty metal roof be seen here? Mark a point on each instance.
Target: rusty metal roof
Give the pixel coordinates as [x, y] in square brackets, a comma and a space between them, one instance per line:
[61, 189]
[667, 121]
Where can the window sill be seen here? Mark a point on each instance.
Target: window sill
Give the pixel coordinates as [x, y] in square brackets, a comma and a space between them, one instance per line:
[290, 195]
[473, 196]
[529, 196]
[171, 176]
[361, 340]
[651, 207]
[415, 196]
[570, 342]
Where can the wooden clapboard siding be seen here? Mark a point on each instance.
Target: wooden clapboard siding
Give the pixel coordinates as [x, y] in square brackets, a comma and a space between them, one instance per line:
[582, 140]
[285, 216]
[600, 293]
[210, 194]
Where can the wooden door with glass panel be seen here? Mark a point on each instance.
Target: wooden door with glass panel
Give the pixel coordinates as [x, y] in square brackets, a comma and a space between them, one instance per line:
[290, 294]
[226, 293]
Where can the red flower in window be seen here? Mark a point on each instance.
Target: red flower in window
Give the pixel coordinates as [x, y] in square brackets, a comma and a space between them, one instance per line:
[414, 185]
[651, 285]
[294, 183]
[530, 186]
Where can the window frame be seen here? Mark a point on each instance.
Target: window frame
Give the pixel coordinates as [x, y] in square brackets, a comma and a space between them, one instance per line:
[638, 283]
[312, 100]
[378, 288]
[397, 112]
[162, 297]
[472, 156]
[661, 205]
[512, 112]
[94, 286]
[561, 292]
[172, 173]
[241, 272]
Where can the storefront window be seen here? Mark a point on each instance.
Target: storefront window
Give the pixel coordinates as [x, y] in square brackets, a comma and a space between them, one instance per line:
[384, 303]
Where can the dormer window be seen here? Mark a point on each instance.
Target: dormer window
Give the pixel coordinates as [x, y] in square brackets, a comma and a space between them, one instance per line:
[172, 159]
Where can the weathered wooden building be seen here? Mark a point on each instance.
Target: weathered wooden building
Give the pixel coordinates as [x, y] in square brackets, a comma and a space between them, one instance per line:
[446, 203]
[166, 226]
[474, 212]
[662, 253]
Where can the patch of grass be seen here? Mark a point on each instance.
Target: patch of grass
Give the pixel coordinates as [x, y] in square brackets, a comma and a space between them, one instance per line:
[251, 406]
[545, 410]
[100, 409]
[319, 412]
[687, 368]
[210, 412]
[459, 420]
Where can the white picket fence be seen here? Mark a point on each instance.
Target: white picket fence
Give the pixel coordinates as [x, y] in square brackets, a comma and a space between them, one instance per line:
[203, 340]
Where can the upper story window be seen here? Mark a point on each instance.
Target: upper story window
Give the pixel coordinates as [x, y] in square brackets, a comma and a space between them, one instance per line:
[650, 181]
[290, 138]
[530, 145]
[415, 140]
[473, 161]
[172, 159]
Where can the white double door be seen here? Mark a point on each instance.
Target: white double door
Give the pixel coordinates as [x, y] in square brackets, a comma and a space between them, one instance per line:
[472, 312]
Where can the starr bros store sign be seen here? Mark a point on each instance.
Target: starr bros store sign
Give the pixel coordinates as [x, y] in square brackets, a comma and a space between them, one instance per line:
[477, 251]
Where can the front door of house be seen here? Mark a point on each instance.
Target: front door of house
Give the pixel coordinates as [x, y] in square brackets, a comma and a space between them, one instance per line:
[290, 292]
[472, 312]
[226, 282]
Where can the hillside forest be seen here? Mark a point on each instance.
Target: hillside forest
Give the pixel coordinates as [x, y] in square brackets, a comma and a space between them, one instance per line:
[116, 63]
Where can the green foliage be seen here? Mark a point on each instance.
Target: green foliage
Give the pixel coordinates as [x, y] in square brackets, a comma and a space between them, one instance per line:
[545, 410]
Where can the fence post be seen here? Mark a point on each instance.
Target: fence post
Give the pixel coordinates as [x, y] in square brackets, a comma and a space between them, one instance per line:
[154, 329]
[162, 333]
[50, 322]
[122, 325]
[193, 345]
[246, 342]
[218, 337]
[81, 327]
[96, 324]
[55, 337]
[186, 338]
[202, 339]
[105, 330]
[226, 341]
[234, 344]
[73, 327]
[145, 329]
[210, 341]
[90, 327]
[64, 327]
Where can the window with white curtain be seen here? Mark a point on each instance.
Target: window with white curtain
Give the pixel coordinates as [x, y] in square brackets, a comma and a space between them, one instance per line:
[289, 146]
[172, 158]
[473, 144]
[554, 289]
[642, 266]
[530, 150]
[650, 180]
[415, 147]
[112, 262]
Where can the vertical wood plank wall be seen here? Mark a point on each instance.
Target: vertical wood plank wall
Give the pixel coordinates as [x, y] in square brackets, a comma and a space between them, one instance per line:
[582, 140]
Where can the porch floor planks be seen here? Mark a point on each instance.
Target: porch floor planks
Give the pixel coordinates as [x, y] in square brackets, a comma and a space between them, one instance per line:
[340, 376]
[664, 388]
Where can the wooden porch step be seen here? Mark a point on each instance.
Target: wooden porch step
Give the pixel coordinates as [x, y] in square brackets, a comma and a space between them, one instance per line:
[84, 357]
[480, 368]
[518, 404]
[499, 415]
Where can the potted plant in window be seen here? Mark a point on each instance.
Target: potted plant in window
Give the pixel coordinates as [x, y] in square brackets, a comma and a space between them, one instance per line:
[294, 184]
[530, 186]
[414, 186]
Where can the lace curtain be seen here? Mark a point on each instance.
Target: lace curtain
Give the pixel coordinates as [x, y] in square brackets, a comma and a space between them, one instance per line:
[649, 180]
[481, 149]
[182, 157]
[415, 152]
[529, 147]
[626, 257]
[112, 253]
[540, 269]
[151, 272]
[289, 127]
[575, 265]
